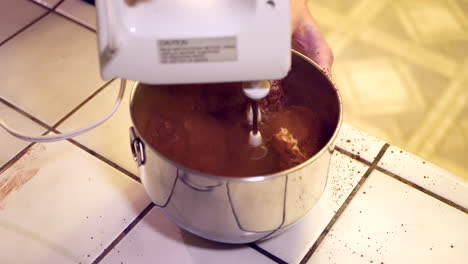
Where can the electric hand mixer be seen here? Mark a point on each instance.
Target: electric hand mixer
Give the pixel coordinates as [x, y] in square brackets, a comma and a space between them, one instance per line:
[192, 41]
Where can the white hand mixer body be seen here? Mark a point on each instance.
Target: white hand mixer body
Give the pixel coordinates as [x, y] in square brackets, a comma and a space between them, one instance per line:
[197, 41]
[190, 41]
[194, 41]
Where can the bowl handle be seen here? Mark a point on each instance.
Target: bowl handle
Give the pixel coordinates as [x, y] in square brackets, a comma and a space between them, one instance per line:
[138, 148]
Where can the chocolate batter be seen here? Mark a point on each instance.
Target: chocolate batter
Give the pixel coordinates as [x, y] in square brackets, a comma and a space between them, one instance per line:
[204, 127]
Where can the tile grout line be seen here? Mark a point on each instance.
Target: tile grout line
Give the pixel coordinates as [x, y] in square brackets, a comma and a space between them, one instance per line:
[93, 153]
[26, 114]
[424, 190]
[114, 165]
[83, 147]
[80, 105]
[54, 10]
[75, 21]
[266, 253]
[25, 27]
[353, 156]
[63, 119]
[20, 154]
[74, 142]
[123, 234]
[49, 10]
[276, 258]
[105, 160]
[405, 181]
[345, 204]
[15, 158]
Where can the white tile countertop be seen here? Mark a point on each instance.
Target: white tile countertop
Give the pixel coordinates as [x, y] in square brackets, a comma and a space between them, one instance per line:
[81, 201]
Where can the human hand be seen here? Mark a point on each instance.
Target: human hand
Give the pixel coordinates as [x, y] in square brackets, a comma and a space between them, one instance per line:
[306, 37]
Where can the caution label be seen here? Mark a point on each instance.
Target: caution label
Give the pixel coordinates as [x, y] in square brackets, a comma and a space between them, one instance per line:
[197, 50]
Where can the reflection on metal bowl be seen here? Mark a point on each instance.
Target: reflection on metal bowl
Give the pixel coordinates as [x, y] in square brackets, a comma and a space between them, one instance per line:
[240, 209]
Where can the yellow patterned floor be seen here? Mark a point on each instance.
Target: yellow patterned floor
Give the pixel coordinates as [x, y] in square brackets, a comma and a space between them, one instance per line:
[402, 68]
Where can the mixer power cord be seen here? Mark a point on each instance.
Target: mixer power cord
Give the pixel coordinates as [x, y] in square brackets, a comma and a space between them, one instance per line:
[63, 136]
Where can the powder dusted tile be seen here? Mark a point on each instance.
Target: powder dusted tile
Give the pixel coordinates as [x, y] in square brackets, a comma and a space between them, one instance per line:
[292, 245]
[359, 143]
[16, 14]
[157, 240]
[80, 11]
[426, 175]
[391, 222]
[52, 67]
[59, 204]
[10, 145]
[111, 139]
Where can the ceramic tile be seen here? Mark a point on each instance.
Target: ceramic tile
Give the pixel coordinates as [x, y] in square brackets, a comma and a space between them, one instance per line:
[426, 175]
[15, 14]
[344, 175]
[390, 222]
[79, 11]
[387, 131]
[58, 204]
[157, 239]
[47, 3]
[52, 67]
[359, 143]
[10, 145]
[111, 139]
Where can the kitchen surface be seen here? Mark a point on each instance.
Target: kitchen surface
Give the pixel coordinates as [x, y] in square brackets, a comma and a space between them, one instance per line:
[402, 67]
[397, 189]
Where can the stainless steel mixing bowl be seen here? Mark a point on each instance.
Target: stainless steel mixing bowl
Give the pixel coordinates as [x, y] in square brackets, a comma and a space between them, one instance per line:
[246, 209]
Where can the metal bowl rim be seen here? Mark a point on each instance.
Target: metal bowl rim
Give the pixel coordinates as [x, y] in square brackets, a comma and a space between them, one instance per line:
[261, 177]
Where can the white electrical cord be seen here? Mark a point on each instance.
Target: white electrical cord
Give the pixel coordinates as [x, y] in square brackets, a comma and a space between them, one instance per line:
[75, 133]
